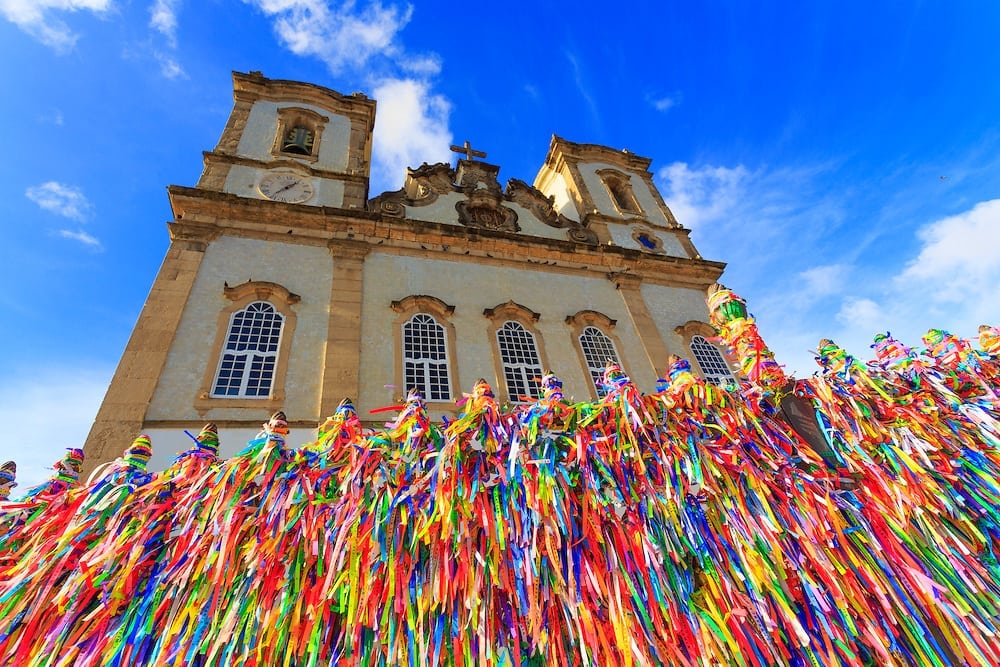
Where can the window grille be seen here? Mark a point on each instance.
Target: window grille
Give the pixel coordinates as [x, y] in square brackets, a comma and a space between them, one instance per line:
[521, 365]
[250, 355]
[713, 364]
[598, 349]
[425, 358]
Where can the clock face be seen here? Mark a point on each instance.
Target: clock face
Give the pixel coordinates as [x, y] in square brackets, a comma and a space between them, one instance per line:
[287, 188]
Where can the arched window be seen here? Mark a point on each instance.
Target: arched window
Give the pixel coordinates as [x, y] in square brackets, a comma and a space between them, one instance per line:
[425, 357]
[619, 186]
[522, 367]
[713, 364]
[299, 133]
[250, 353]
[598, 350]
[248, 361]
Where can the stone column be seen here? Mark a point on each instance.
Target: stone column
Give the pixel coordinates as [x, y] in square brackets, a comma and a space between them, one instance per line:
[121, 416]
[341, 367]
[652, 343]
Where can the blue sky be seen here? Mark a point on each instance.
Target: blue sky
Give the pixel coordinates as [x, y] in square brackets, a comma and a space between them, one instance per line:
[841, 157]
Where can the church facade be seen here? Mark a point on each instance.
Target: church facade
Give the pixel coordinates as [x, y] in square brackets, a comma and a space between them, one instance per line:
[287, 286]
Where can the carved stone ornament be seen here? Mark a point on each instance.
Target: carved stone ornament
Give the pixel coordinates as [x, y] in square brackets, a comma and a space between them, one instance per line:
[426, 182]
[544, 209]
[582, 234]
[473, 176]
[533, 200]
[423, 186]
[390, 204]
[483, 210]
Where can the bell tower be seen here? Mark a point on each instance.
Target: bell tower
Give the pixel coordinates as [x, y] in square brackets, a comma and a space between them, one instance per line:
[293, 142]
[243, 317]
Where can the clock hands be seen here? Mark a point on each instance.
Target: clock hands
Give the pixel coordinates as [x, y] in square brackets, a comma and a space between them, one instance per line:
[280, 190]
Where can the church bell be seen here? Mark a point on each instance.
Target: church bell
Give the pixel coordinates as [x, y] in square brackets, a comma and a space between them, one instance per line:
[298, 140]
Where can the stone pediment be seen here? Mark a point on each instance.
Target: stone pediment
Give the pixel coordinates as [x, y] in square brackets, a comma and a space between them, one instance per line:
[532, 199]
[484, 205]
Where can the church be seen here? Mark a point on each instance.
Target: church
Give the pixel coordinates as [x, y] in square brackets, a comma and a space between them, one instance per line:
[288, 285]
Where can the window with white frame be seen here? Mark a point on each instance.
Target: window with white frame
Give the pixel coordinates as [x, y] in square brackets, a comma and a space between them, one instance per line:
[598, 350]
[713, 364]
[250, 354]
[425, 357]
[521, 365]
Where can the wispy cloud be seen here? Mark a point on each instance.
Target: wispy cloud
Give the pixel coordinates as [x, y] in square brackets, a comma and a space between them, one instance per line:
[81, 236]
[411, 128]
[666, 102]
[39, 18]
[163, 19]
[65, 200]
[340, 36]
[705, 194]
[582, 88]
[33, 401]
[169, 67]
[54, 118]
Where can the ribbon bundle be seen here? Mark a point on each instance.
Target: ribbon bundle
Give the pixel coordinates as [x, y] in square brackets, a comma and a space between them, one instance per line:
[693, 526]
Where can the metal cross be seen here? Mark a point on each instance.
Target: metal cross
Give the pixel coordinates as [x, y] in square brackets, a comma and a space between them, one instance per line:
[468, 150]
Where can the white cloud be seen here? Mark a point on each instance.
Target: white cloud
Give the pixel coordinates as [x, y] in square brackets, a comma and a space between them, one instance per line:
[705, 194]
[665, 103]
[163, 19]
[36, 18]
[44, 411]
[411, 128]
[339, 36]
[170, 68]
[65, 200]
[959, 256]
[55, 118]
[412, 121]
[861, 313]
[823, 280]
[81, 236]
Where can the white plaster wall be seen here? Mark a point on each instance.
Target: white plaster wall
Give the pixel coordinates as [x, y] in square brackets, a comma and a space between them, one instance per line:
[672, 307]
[563, 202]
[602, 198]
[303, 270]
[169, 442]
[622, 236]
[471, 288]
[440, 210]
[243, 181]
[262, 126]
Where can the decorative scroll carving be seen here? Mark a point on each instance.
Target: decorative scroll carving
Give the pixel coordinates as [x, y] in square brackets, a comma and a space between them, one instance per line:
[483, 210]
[391, 204]
[423, 186]
[544, 209]
[582, 234]
[426, 182]
[532, 199]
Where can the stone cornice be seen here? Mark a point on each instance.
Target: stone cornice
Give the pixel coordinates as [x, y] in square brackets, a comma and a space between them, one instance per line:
[216, 157]
[254, 86]
[203, 214]
[568, 151]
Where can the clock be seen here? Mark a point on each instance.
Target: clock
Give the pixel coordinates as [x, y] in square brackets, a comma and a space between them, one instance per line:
[287, 188]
